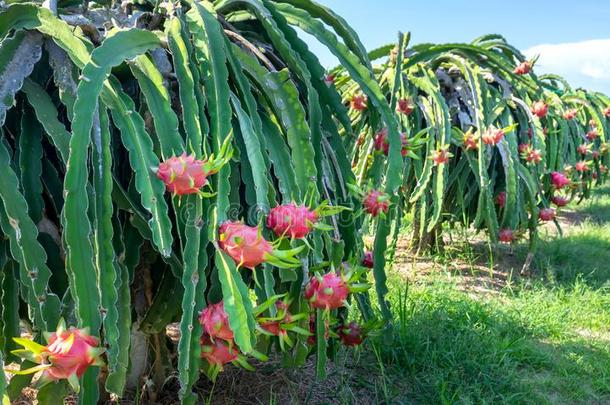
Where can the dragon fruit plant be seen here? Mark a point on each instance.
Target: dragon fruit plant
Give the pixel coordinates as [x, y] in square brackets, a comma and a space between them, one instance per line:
[475, 108]
[111, 136]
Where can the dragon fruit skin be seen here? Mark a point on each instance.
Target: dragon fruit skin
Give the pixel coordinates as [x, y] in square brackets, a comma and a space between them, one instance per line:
[218, 352]
[368, 259]
[183, 174]
[327, 292]
[546, 214]
[292, 220]
[71, 352]
[243, 243]
[351, 334]
[376, 202]
[215, 322]
[559, 180]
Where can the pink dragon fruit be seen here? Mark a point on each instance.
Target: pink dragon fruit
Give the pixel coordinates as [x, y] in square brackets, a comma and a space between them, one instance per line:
[218, 352]
[501, 199]
[560, 201]
[546, 214]
[492, 136]
[351, 334]
[592, 135]
[583, 149]
[559, 180]
[570, 114]
[382, 143]
[68, 354]
[183, 174]
[215, 322]
[607, 112]
[441, 156]
[581, 166]
[245, 244]
[359, 102]
[471, 141]
[376, 202]
[523, 68]
[540, 109]
[292, 220]
[506, 235]
[329, 79]
[405, 106]
[368, 259]
[327, 292]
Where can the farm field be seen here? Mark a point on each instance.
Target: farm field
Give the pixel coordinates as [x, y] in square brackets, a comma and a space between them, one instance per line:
[270, 202]
[471, 332]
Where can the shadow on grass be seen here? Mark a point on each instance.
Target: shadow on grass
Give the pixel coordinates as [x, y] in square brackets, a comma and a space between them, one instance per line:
[585, 255]
[450, 349]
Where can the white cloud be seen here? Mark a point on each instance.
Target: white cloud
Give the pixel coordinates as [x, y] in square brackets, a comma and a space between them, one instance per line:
[584, 64]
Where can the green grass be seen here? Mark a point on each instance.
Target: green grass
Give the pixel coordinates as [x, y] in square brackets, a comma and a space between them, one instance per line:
[544, 340]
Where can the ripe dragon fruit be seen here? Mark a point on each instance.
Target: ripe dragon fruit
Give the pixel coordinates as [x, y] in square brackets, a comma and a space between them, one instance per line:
[523, 68]
[351, 334]
[329, 79]
[311, 339]
[405, 106]
[183, 174]
[560, 201]
[581, 166]
[501, 199]
[583, 149]
[327, 292]
[68, 354]
[523, 147]
[592, 135]
[382, 143]
[245, 244]
[559, 180]
[540, 109]
[359, 102]
[368, 259]
[506, 235]
[492, 136]
[218, 352]
[440, 156]
[215, 322]
[376, 202]
[533, 156]
[471, 141]
[570, 114]
[546, 214]
[607, 112]
[292, 220]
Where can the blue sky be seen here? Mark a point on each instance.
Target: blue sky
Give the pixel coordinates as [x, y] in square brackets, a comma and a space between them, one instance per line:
[572, 37]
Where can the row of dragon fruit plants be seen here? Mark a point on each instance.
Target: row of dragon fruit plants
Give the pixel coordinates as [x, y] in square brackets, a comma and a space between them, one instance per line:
[198, 165]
